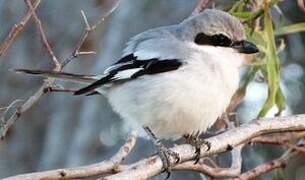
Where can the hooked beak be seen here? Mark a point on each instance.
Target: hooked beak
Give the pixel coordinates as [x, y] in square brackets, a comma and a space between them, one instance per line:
[245, 47]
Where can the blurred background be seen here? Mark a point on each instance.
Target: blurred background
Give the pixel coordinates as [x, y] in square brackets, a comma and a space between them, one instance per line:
[62, 130]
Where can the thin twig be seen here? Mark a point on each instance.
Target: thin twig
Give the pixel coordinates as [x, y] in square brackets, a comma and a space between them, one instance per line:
[31, 101]
[56, 89]
[89, 28]
[16, 29]
[269, 166]
[205, 169]
[43, 35]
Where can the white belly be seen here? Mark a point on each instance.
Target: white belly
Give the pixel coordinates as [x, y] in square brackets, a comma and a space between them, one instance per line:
[174, 103]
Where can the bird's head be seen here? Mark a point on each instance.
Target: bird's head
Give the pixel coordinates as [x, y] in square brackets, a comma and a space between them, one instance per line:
[219, 29]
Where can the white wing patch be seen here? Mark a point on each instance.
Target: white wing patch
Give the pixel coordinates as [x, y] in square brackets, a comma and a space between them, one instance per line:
[126, 74]
[116, 66]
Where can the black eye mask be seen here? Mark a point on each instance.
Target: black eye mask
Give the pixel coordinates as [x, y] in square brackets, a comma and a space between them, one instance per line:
[221, 40]
[214, 40]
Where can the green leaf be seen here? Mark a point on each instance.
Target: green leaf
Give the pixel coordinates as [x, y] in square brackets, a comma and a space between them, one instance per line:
[294, 28]
[238, 6]
[275, 96]
[243, 16]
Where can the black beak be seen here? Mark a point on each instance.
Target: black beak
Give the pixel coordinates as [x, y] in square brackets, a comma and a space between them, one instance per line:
[245, 47]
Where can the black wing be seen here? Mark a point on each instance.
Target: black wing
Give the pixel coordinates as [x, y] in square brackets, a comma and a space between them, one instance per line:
[129, 67]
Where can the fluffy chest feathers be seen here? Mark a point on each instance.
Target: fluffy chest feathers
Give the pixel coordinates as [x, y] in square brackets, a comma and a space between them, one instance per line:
[185, 101]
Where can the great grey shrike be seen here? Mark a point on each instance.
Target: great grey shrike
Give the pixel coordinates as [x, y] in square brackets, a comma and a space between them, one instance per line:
[175, 80]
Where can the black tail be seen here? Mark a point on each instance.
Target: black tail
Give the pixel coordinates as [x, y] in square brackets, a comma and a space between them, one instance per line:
[94, 85]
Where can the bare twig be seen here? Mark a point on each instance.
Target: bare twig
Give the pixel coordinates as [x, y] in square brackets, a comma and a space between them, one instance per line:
[16, 29]
[269, 166]
[279, 139]
[31, 101]
[205, 169]
[101, 168]
[76, 52]
[233, 171]
[42, 34]
[56, 89]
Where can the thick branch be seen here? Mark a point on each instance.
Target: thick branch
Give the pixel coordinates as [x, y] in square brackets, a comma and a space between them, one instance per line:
[83, 171]
[153, 166]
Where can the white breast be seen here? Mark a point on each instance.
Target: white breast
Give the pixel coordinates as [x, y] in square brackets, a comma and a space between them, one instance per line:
[179, 102]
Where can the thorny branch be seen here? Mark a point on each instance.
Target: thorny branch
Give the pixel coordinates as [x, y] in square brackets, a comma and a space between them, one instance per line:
[6, 124]
[152, 166]
[89, 29]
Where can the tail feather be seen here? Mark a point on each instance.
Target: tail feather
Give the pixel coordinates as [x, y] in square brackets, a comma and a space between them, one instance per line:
[93, 86]
[87, 79]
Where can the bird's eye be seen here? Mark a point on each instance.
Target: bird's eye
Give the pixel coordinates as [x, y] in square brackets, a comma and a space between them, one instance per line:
[202, 39]
[221, 40]
[214, 40]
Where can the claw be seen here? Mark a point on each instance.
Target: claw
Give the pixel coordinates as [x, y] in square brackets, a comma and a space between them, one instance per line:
[165, 154]
[197, 142]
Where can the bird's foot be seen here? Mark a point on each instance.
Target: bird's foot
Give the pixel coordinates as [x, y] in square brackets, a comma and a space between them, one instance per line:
[197, 142]
[169, 158]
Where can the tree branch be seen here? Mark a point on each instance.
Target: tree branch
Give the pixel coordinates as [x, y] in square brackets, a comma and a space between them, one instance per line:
[42, 34]
[16, 29]
[31, 101]
[152, 166]
[269, 166]
[201, 6]
[104, 167]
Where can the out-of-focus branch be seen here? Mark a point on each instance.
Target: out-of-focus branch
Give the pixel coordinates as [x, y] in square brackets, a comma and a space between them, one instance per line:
[16, 29]
[31, 101]
[269, 166]
[201, 6]
[104, 167]
[301, 4]
[201, 167]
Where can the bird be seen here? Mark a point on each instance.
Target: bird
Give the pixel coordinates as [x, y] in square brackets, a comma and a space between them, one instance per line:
[175, 80]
